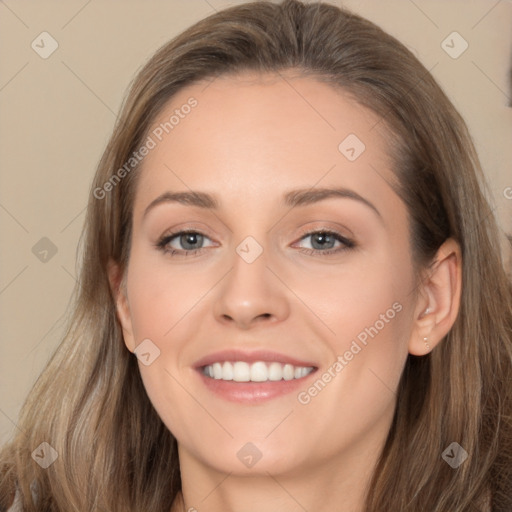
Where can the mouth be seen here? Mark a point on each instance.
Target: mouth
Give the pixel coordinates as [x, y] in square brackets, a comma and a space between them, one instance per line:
[254, 377]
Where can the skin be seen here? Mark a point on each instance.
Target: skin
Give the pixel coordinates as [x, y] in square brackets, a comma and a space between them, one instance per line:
[250, 139]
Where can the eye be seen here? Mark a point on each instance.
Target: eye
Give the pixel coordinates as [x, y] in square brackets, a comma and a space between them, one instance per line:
[323, 242]
[190, 241]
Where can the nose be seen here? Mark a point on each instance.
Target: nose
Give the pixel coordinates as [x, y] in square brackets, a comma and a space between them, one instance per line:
[251, 294]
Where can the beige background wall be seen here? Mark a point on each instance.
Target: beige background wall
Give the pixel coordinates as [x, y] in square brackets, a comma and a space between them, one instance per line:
[57, 113]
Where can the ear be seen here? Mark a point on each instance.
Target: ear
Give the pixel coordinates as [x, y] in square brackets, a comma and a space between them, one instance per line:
[118, 287]
[439, 300]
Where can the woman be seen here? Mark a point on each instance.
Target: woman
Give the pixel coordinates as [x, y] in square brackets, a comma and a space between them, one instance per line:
[368, 370]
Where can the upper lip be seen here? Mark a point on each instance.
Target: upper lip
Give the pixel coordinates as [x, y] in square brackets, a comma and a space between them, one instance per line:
[250, 357]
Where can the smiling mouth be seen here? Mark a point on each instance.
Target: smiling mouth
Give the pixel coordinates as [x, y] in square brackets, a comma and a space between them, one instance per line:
[259, 371]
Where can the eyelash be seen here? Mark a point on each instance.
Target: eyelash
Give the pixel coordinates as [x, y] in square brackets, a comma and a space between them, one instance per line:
[347, 244]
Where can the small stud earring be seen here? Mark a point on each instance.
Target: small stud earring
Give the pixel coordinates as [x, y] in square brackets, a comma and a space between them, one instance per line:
[427, 311]
[426, 344]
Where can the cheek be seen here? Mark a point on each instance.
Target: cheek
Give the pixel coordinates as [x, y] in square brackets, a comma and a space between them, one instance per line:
[361, 298]
[161, 296]
[164, 302]
[369, 314]
[366, 307]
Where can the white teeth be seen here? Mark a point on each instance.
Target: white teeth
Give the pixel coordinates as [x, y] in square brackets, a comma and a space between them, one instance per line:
[259, 372]
[240, 371]
[275, 371]
[217, 371]
[227, 371]
[288, 372]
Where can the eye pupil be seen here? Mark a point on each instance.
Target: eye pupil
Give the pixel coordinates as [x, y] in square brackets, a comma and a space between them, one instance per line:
[190, 239]
[322, 239]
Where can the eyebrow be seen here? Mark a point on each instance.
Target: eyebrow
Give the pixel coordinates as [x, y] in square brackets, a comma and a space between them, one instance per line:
[292, 198]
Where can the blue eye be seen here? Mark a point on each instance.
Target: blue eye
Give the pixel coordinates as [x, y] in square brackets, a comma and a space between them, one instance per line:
[191, 242]
[325, 240]
[187, 239]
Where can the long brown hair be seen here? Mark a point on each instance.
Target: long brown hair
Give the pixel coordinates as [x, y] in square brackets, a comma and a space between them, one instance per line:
[90, 405]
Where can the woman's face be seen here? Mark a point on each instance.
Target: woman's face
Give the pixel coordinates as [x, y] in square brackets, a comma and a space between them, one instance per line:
[253, 285]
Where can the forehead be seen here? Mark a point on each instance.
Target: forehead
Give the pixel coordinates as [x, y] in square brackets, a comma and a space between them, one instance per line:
[253, 134]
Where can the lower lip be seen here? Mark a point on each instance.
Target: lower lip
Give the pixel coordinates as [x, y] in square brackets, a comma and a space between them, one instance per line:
[252, 392]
